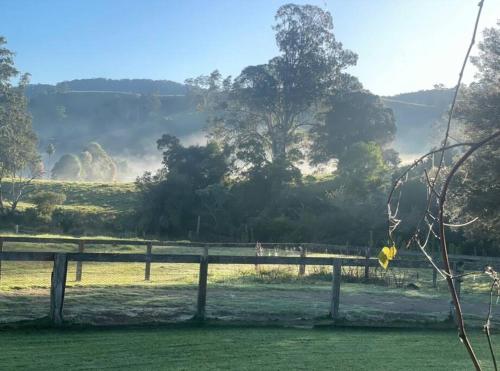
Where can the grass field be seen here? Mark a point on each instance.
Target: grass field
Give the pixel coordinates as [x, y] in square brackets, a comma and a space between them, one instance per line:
[90, 196]
[92, 208]
[213, 348]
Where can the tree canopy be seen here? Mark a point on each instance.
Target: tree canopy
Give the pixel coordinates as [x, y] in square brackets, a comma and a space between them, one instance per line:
[188, 186]
[68, 167]
[478, 189]
[18, 141]
[269, 107]
[352, 117]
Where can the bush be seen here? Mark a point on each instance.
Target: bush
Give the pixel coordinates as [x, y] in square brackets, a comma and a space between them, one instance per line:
[69, 222]
[47, 201]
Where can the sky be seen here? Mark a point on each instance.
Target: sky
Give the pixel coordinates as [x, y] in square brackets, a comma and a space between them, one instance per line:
[403, 45]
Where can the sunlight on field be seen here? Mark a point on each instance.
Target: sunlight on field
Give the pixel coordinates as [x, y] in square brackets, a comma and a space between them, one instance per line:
[89, 196]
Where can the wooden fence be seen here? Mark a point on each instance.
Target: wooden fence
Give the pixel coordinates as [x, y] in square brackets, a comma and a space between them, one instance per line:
[60, 264]
[366, 252]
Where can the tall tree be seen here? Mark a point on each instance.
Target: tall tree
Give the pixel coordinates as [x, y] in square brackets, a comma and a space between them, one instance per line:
[68, 167]
[352, 117]
[189, 185]
[19, 158]
[362, 170]
[97, 165]
[271, 105]
[50, 150]
[478, 191]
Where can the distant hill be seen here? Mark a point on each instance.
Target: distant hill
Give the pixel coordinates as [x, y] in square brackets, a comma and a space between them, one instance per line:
[134, 86]
[127, 117]
[415, 114]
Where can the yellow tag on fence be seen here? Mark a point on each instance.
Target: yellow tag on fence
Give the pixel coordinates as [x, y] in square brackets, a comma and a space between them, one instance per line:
[386, 255]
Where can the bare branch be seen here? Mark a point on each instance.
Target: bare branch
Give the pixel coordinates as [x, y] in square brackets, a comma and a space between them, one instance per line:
[463, 224]
[444, 248]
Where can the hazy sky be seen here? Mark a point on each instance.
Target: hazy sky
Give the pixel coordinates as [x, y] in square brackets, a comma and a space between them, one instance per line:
[403, 45]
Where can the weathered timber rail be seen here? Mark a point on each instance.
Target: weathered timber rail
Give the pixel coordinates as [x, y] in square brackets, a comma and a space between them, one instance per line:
[302, 248]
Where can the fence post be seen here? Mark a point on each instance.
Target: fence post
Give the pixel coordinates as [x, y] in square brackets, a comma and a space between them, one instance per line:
[259, 251]
[367, 256]
[147, 270]
[302, 266]
[202, 285]
[434, 277]
[334, 308]
[458, 269]
[57, 288]
[81, 248]
[1, 250]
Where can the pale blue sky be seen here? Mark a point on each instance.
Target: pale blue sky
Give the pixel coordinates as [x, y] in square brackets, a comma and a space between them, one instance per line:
[403, 45]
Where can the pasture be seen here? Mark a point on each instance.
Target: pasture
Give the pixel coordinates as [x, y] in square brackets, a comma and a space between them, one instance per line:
[87, 197]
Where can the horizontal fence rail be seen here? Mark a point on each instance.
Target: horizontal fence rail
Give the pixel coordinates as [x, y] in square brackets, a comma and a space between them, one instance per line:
[366, 254]
[364, 251]
[216, 259]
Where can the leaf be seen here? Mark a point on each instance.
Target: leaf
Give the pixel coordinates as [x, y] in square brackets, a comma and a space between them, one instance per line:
[382, 259]
[386, 255]
[393, 252]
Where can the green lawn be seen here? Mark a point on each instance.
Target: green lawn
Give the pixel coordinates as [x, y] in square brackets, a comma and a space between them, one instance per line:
[213, 348]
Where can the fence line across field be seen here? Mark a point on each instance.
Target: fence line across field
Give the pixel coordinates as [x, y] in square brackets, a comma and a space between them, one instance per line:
[306, 246]
[60, 266]
[367, 253]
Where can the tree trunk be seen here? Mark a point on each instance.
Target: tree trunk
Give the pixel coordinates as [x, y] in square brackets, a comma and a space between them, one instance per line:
[278, 143]
[2, 207]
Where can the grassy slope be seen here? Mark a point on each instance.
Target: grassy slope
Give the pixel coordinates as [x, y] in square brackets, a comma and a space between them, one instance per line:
[100, 208]
[109, 197]
[235, 348]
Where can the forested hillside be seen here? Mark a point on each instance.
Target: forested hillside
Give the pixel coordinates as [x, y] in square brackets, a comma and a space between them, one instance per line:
[127, 116]
[416, 113]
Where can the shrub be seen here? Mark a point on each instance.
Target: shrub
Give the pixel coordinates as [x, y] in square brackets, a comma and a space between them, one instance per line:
[47, 201]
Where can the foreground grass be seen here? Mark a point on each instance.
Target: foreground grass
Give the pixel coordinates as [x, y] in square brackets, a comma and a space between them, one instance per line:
[236, 349]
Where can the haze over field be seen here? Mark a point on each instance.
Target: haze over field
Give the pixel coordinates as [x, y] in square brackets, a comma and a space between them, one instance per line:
[127, 116]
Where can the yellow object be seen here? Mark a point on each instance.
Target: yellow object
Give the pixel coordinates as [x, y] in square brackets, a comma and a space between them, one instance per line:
[386, 255]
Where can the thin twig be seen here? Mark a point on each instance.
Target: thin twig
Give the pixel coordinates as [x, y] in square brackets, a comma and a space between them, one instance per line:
[487, 325]
[440, 197]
